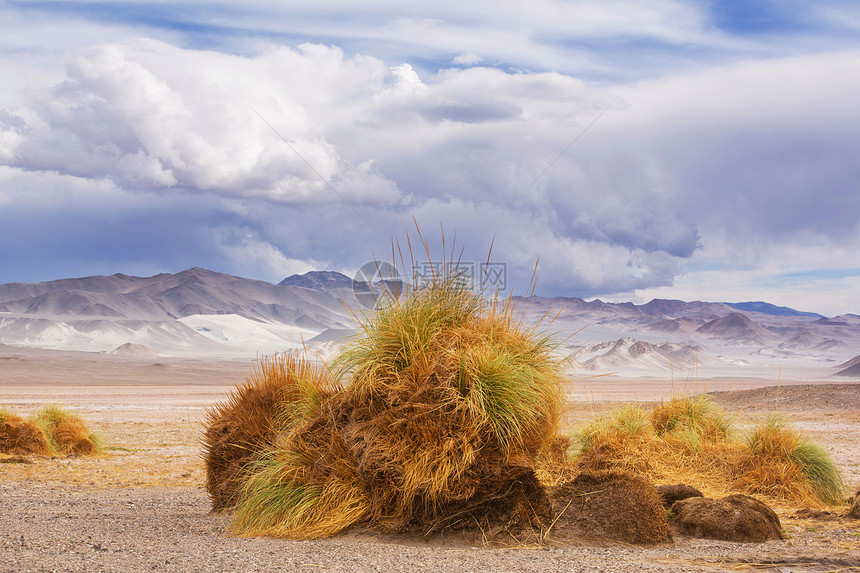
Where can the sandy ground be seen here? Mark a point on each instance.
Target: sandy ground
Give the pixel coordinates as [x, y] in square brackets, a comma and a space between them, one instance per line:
[142, 505]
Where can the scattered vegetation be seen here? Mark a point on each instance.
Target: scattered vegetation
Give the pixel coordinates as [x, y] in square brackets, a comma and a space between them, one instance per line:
[444, 413]
[51, 431]
[690, 440]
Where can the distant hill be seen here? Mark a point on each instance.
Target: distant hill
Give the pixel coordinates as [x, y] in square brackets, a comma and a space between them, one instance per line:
[851, 363]
[173, 296]
[767, 308]
[626, 353]
[736, 327]
[319, 280]
[852, 371]
[199, 312]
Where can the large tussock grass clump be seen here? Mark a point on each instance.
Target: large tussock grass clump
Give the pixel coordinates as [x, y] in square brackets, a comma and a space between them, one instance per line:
[690, 440]
[51, 431]
[449, 402]
[279, 392]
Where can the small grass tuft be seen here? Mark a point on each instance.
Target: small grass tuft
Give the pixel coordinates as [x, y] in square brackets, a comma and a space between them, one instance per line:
[21, 437]
[693, 420]
[781, 462]
[66, 432]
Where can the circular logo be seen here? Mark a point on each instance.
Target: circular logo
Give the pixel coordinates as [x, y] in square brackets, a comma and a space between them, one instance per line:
[375, 281]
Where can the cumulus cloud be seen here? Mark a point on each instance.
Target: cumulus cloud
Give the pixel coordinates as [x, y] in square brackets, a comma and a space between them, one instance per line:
[467, 59]
[153, 117]
[711, 166]
[248, 255]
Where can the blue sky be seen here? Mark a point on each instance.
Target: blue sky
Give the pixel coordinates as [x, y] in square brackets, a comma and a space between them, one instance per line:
[676, 149]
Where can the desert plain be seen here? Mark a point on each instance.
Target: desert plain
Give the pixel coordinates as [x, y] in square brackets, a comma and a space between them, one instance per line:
[142, 505]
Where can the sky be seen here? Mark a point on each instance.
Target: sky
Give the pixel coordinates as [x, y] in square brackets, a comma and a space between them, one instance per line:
[682, 149]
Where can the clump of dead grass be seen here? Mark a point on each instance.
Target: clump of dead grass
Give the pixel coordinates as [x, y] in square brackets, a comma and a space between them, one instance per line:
[21, 437]
[780, 463]
[50, 431]
[279, 391]
[446, 405]
[690, 440]
[66, 432]
[694, 422]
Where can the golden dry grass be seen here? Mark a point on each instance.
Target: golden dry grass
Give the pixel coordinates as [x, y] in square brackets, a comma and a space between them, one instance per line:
[690, 440]
[21, 437]
[279, 391]
[67, 433]
[446, 402]
[780, 463]
[51, 431]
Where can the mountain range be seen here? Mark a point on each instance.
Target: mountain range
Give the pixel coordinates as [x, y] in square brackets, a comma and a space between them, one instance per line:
[199, 312]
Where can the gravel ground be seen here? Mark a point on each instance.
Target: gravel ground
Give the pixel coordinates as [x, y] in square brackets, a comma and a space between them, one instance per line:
[45, 528]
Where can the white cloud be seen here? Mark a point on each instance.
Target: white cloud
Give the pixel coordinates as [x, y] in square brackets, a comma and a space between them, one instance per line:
[748, 159]
[809, 273]
[153, 117]
[467, 59]
[250, 256]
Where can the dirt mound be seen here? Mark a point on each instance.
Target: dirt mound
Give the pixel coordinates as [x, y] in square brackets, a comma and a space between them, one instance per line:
[818, 514]
[672, 493]
[611, 506]
[732, 518]
[132, 349]
[20, 437]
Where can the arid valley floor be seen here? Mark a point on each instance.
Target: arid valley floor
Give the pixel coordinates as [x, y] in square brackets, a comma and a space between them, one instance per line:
[142, 505]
